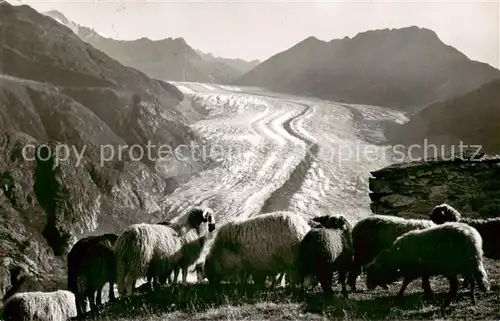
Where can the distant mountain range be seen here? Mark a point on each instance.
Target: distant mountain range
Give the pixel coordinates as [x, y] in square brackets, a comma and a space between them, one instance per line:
[472, 118]
[407, 69]
[167, 59]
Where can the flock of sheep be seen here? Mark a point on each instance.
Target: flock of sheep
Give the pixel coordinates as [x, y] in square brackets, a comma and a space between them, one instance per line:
[273, 245]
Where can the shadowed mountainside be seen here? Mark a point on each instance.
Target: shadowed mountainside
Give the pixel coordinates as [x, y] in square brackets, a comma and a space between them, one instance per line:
[56, 89]
[473, 118]
[166, 59]
[403, 68]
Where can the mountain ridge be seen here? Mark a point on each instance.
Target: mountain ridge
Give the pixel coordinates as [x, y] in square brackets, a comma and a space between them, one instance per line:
[169, 59]
[403, 68]
[470, 119]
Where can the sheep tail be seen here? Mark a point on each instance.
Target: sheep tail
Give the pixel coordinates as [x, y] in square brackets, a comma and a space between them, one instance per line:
[482, 278]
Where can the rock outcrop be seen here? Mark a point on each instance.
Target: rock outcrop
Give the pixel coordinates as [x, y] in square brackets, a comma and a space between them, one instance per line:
[407, 69]
[412, 189]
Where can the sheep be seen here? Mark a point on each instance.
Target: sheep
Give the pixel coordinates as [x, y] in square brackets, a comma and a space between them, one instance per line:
[198, 268]
[153, 249]
[326, 250]
[277, 279]
[374, 233]
[263, 245]
[90, 265]
[488, 228]
[40, 306]
[190, 252]
[450, 249]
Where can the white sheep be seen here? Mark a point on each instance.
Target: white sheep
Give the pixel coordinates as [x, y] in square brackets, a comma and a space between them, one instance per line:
[40, 306]
[375, 233]
[263, 245]
[150, 250]
[451, 249]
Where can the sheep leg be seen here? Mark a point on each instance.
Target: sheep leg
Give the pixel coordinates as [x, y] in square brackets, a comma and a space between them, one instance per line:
[99, 297]
[325, 277]
[353, 275]
[111, 291]
[406, 281]
[80, 300]
[470, 281]
[184, 274]
[176, 275]
[90, 293]
[342, 281]
[274, 280]
[426, 286]
[453, 290]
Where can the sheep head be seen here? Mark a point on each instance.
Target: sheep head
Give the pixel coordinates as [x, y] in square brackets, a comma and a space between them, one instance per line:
[444, 213]
[337, 222]
[378, 272]
[197, 217]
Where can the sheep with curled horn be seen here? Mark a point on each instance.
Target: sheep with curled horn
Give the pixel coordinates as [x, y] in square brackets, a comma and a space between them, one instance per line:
[326, 250]
[91, 264]
[489, 228]
[151, 250]
[375, 233]
[450, 249]
[40, 306]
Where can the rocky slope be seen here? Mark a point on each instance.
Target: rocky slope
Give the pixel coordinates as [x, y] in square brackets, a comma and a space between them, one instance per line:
[413, 189]
[473, 119]
[56, 89]
[166, 59]
[405, 68]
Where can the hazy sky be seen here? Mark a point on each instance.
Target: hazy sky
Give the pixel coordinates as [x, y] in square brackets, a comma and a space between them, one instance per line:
[258, 29]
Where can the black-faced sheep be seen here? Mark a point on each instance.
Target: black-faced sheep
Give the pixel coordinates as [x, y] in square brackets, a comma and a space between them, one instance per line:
[326, 250]
[40, 306]
[449, 250]
[91, 264]
[374, 233]
[488, 228]
[263, 245]
[152, 250]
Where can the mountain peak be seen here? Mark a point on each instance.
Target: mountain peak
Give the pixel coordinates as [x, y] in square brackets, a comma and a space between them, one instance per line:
[311, 39]
[57, 15]
[404, 32]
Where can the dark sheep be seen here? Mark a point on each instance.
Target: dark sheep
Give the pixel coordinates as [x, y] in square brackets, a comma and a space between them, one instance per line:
[489, 228]
[91, 264]
[375, 233]
[190, 252]
[326, 250]
[450, 250]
